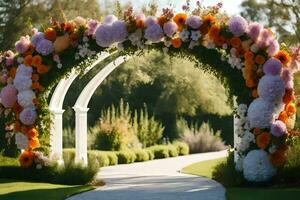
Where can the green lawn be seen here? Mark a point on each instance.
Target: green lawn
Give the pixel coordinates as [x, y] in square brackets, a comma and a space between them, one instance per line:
[205, 169]
[17, 190]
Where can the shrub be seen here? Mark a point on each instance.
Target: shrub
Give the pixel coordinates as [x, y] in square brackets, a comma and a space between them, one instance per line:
[226, 174]
[290, 172]
[148, 130]
[141, 155]
[113, 158]
[202, 139]
[150, 154]
[114, 131]
[160, 151]
[182, 148]
[69, 154]
[126, 157]
[68, 138]
[69, 173]
[173, 152]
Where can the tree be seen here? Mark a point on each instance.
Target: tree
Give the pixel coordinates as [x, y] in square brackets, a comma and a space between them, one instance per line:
[282, 15]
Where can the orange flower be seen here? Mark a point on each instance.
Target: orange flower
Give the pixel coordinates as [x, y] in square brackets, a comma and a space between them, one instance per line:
[140, 23]
[35, 86]
[180, 19]
[214, 31]
[259, 59]
[248, 55]
[263, 140]
[283, 56]
[277, 158]
[12, 72]
[235, 42]
[250, 83]
[17, 108]
[28, 60]
[24, 129]
[209, 19]
[257, 131]
[176, 43]
[283, 117]
[162, 20]
[290, 109]
[26, 158]
[50, 34]
[73, 37]
[34, 143]
[288, 96]
[42, 69]
[254, 93]
[220, 40]
[36, 60]
[35, 77]
[32, 133]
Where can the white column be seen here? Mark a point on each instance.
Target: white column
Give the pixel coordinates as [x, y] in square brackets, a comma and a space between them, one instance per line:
[56, 136]
[81, 134]
[235, 136]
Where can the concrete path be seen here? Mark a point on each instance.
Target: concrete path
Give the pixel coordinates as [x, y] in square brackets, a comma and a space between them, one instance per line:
[156, 180]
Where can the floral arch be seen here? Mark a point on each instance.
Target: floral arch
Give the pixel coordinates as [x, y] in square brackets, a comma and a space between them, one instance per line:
[244, 55]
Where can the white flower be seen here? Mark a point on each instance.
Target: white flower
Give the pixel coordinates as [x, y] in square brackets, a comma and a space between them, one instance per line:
[22, 83]
[195, 35]
[39, 166]
[239, 162]
[241, 109]
[25, 98]
[120, 46]
[184, 35]
[20, 60]
[136, 37]
[272, 149]
[262, 113]
[24, 70]
[21, 141]
[85, 39]
[257, 166]
[224, 46]
[59, 66]
[233, 52]
[193, 44]
[167, 43]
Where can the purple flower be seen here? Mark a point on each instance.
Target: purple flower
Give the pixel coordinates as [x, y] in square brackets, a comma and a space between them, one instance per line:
[278, 128]
[23, 44]
[109, 19]
[273, 47]
[150, 21]
[37, 38]
[170, 28]
[264, 38]
[271, 88]
[273, 67]
[154, 33]
[238, 25]
[104, 36]
[119, 31]
[45, 47]
[289, 84]
[28, 116]
[286, 75]
[92, 26]
[254, 30]
[194, 22]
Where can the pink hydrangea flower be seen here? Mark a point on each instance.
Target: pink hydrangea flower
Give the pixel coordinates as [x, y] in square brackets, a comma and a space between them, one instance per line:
[8, 96]
[92, 26]
[254, 30]
[238, 25]
[28, 116]
[194, 22]
[23, 44]
[278, 128]
[170, 28]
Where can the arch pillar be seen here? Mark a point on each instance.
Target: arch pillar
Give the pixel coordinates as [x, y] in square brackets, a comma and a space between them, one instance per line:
[81, 134]
[57, 138]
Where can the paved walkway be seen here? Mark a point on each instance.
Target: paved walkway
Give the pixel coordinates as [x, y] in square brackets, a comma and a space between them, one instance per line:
[156, 180]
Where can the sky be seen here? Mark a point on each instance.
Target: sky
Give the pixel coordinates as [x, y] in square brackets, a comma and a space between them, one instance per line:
[232, 7]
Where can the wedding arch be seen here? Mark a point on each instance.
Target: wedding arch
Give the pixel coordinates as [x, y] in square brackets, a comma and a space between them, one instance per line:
[255, 69]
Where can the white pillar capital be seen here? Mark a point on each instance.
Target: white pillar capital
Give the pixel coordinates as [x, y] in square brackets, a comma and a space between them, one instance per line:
[80, 110]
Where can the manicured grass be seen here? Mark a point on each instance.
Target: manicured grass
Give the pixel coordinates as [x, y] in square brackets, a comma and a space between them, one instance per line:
[16, 190]
[205, 169]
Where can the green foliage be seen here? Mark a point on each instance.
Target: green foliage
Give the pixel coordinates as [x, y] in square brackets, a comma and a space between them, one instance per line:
[173, 151]
[226, 174]
[69, 173]
[141, 155]
[68, 137]
[160, 151]
[126, 157]
[201, 138]
[290, 172]
[148, 130]
[182, 147]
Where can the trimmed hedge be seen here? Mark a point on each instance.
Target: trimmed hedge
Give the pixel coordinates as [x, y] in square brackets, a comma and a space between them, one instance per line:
[182, 148]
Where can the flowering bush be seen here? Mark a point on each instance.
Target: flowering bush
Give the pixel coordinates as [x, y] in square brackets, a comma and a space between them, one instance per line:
[261, 72]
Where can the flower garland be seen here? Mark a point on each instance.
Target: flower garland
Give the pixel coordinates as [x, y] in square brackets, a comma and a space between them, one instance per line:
[265, 116]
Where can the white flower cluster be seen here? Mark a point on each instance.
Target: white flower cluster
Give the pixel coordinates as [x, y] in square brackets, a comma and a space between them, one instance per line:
[84, 50]
[21, 141]
[40, 160]
[26, 95]
[136, 38]
[257, 166]
[233, 60]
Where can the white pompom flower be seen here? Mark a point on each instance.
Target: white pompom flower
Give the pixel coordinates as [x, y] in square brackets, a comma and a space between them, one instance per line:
[271, 88]
[25, 98]
[21, 141]
[257, 166]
